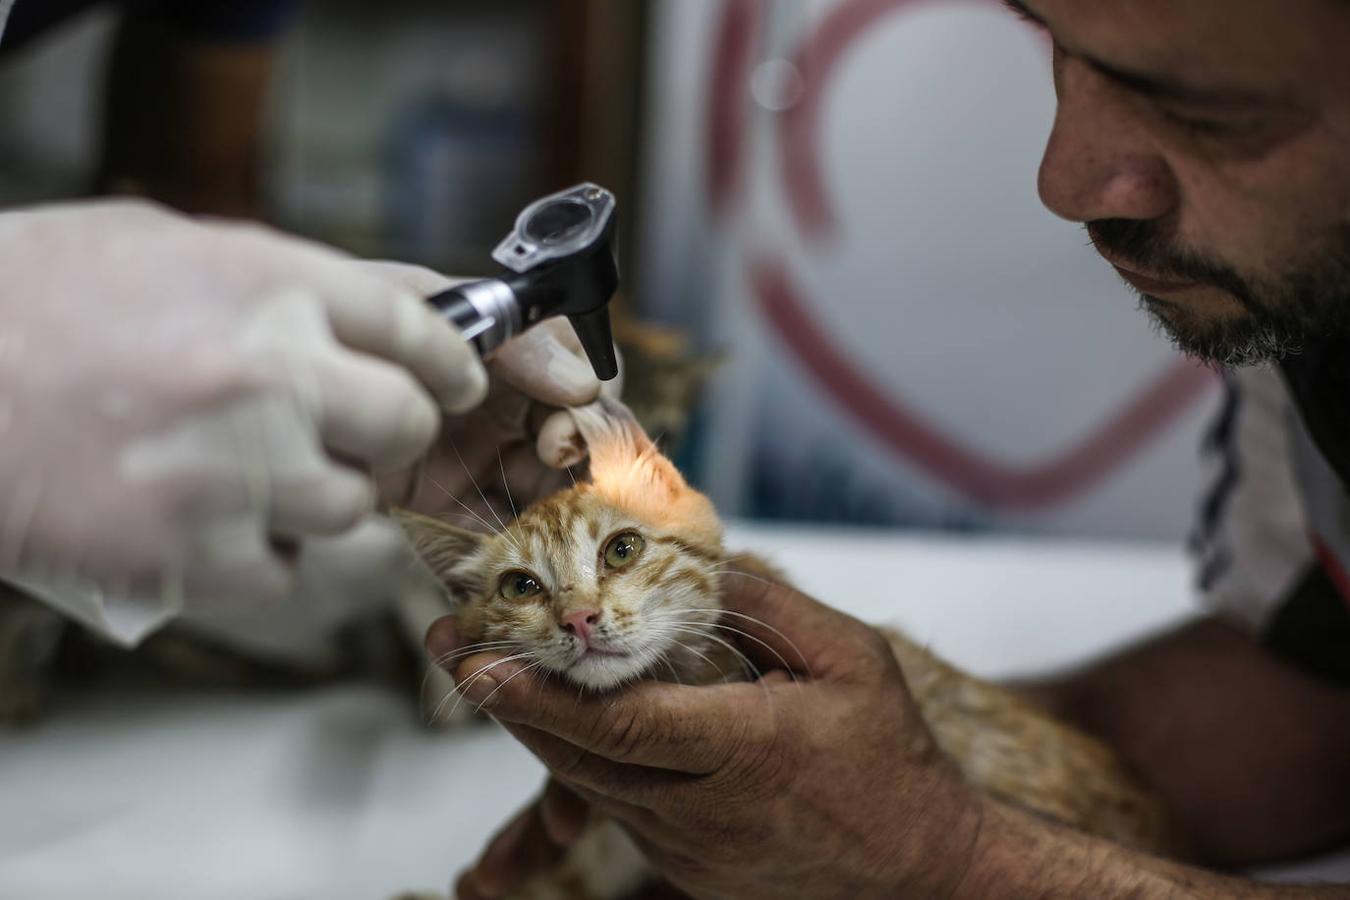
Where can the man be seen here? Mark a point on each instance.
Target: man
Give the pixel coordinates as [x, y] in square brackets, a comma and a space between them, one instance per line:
[1207, 148]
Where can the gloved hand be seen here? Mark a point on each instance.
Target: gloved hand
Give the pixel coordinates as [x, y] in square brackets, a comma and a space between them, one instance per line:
[177, 395]
[516, 446]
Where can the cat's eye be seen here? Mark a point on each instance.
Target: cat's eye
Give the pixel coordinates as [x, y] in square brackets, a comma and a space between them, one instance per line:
[623, 549]
[519, 586]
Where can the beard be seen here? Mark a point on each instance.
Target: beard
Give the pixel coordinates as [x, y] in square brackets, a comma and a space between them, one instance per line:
[1306, 304]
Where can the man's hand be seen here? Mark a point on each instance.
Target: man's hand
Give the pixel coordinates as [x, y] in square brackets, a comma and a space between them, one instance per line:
[829, 785]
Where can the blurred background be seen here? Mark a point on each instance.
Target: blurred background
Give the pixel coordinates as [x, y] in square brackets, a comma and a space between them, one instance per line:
[829, 210]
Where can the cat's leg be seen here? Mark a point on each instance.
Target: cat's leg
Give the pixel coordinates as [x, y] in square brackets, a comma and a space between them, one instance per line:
[29, 633]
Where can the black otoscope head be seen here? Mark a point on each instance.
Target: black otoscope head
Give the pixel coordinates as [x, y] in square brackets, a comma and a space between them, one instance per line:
[562, 251]
[561, 257]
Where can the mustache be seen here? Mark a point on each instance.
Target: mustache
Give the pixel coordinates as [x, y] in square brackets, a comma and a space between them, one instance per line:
[1150, 245]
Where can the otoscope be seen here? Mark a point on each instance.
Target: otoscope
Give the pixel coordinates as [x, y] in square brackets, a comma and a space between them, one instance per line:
[560, 258]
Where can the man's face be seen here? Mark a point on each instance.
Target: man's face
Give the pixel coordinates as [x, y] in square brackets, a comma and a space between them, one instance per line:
[1206, 144]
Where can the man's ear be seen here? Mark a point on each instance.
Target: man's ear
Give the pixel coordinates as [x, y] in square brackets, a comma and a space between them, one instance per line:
[449, 552]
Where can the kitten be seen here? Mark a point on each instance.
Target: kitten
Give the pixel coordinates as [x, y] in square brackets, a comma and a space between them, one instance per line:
[616, 579]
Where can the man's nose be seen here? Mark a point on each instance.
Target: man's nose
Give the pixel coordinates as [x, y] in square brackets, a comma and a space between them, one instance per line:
[580, 622]
[1101, 161]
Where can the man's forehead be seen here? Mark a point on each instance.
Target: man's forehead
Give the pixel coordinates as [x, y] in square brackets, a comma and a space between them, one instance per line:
[1235, 48]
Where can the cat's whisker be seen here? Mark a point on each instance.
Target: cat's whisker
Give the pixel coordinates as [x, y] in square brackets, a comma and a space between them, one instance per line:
[747, 635]
[750, 668]
[674, 674]
[461, 688]
[534, 665]
[445, 659]
[440, 662]
[573, 476]
[702, 656]
[470, 650]
[729, 558]
[473, 481]
[482, 521]
[505, 486]
[767, 627]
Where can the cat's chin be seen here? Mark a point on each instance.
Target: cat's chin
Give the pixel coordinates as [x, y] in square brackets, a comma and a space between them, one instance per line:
[604, 672]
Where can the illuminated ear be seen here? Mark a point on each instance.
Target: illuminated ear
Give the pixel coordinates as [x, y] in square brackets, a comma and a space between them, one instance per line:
[628, 471]
[450, 553]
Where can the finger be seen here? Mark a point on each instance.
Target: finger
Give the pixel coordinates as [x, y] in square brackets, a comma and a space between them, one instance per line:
[442, 638]
[541, 364]
[640, 787]
[783, 628]
[642, 823]
[693, 730]
[517, 853]
[413, 278]
[378, 316]
[231, 559]
[563, 813]
[373, 411]
[328, 504]
[560, 444]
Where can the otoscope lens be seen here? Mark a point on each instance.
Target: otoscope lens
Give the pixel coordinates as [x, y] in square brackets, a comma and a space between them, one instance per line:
[558, 222]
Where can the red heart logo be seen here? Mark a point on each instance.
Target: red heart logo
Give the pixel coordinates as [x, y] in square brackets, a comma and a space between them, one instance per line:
[878, 409]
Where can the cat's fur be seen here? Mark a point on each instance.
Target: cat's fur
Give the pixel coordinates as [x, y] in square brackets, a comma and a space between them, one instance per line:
[660, 610]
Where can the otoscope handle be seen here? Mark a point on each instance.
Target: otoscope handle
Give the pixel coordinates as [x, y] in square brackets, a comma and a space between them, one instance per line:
[486, 312]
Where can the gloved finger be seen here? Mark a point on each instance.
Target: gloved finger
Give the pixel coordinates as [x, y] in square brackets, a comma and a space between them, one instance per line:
[546, 363]
[232, 560]
[412, 278]
[373, 411]
[329, 502]
[379, 317]
[560, 443]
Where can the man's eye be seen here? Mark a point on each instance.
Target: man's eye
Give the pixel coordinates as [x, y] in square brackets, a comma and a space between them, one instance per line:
[518, 586]
[1200, 127]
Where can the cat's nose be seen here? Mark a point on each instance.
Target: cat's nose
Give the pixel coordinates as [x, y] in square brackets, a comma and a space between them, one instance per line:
[579, 622]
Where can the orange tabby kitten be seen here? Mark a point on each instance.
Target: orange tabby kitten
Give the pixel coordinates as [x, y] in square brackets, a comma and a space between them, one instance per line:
[615, 579]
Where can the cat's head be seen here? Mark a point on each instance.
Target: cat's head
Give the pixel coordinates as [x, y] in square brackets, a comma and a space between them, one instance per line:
[602, 583]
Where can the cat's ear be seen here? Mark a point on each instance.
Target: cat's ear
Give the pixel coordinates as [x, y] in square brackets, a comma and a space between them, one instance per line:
[629, 471]
[449, 552]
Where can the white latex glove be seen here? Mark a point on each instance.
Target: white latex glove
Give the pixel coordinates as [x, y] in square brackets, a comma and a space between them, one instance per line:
[516, 446]
[175, 395]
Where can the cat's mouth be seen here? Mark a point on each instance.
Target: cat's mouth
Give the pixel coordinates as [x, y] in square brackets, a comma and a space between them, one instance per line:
[599, 651]
[602, 668]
